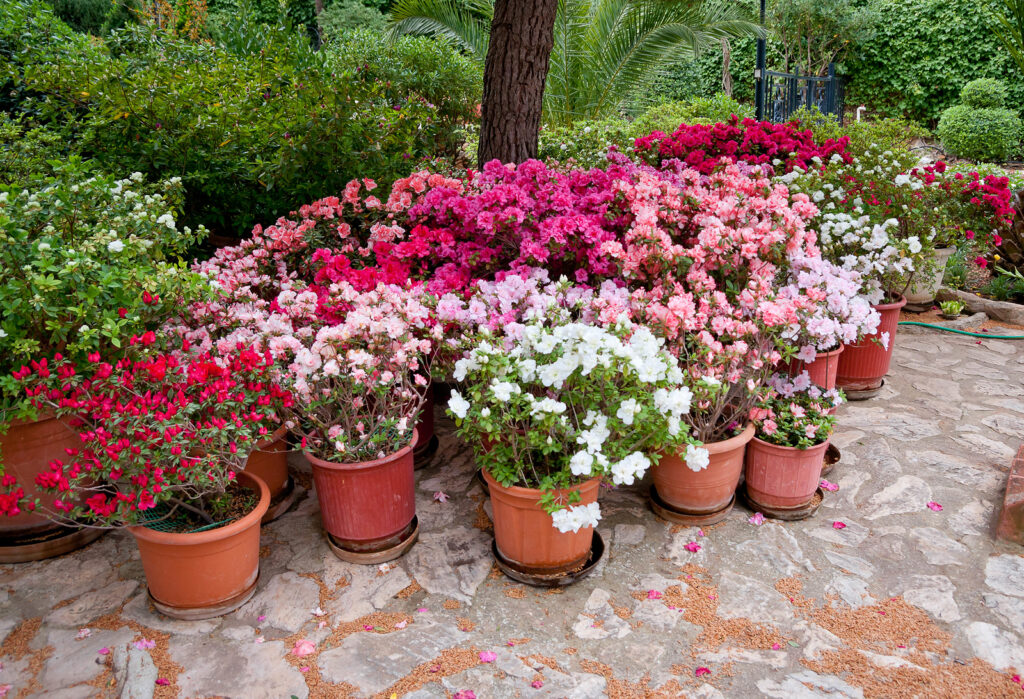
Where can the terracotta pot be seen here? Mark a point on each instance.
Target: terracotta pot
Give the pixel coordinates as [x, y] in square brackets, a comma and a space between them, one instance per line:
[525, 536]
[425, 426]
[269, 461]
[924, 287]
[822, 370]
[204, 574]
[862, 366]
[783, 477]
[367, 506]
[26, 450]
[706, 491]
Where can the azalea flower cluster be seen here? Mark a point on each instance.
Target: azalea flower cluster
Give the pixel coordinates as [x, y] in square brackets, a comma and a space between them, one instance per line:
[570, 403]
[702, 146]
[795, 413]
[155, 429]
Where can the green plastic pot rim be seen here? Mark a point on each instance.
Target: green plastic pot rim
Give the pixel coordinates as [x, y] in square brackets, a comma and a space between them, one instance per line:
[210, 535]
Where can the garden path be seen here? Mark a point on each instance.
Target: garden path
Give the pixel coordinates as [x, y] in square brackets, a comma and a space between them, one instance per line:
[903, 601]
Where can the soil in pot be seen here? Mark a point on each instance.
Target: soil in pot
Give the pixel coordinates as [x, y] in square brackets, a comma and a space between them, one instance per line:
[207, 573]
[525, 536]
[863, 366]
[706, 492]
[783, 478]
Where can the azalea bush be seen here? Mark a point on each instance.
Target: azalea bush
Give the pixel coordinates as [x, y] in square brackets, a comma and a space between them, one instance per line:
[86, 262]
[569, 403]
[795, 413]
[155, 428]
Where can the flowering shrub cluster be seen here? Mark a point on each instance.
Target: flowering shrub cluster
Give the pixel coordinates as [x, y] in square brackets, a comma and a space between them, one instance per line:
[154, 428]
[570, 403]
[702, 146]
[795, 412]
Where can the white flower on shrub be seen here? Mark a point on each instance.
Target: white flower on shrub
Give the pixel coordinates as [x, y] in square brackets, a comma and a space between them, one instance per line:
[581, 463]
[458, 405]
[503, 390]
[628, 410]
[115, 246]
[575, 518]
[626, 471]
[697, 458]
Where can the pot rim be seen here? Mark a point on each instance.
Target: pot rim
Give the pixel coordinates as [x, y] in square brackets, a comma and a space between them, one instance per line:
[589, 484]
[900, 303]
[43, 415]
[769, 445]
[205, 537]
[361, 465]
[276, 435]
[733, 442]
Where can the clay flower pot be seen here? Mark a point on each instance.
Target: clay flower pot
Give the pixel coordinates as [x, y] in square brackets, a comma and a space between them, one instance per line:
[863, 366]
[710, 490]
[26, 450]
[200, 575]
[367, 507]
[924, 287]
[269, 461]
[525, 536]
[427, 441]
[783, 478]
[822, 370]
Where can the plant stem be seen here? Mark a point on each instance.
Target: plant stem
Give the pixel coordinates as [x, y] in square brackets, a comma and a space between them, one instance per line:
[181, 503]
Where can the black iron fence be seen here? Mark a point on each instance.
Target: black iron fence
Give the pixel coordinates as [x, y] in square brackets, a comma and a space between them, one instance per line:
[784, 93]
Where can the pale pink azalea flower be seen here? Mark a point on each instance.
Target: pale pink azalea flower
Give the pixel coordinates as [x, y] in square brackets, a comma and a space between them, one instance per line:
[654, 594]
[145, 644]
[303, 647]
[4, 689]
[304, 668]
[441, 496]
[488, 656]
[258, 639]
[83, 633]
[757, 519]
[402, 624]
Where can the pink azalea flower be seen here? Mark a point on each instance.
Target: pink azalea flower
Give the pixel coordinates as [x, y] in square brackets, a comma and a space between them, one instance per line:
[700, 532]
[838, 525]
[422, 609]
[464, 694]
[441, 496]
[145, 644]
[104, 651]
[163, 681]
[4, 689]
[701, 671]
[303, 647]
[536, 684]
[258, 639]
[757, 519]
[692, 547]
[654, 594]
[367, 627]
[831, 487]
[935, 507]
[487, 656]
[776, 646]
[261, 617]
[304, 668]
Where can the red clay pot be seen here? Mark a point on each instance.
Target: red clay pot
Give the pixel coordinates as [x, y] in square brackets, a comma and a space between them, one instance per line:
[822, 370]
[706, 491]
[862, 366]
[525, 536]
[205, 574]
[269, 461]
[783, 477]
[367, 506]
[26, 450]
[425, 426]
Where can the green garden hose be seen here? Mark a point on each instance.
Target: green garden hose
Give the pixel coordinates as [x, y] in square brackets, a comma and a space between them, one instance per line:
[963, 332]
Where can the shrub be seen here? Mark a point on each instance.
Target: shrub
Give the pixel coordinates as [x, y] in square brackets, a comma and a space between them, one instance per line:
[29, 152]
[987, 134]
[890, 133]
[344, 15]
[699, 110]
[585, 143]
[984, 93]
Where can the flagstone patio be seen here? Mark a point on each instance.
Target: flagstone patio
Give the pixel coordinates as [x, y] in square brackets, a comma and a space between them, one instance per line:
[905, 600]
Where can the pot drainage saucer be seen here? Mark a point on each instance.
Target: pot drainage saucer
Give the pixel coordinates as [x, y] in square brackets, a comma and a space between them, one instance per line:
[375, 557]
[863, 394]
[669, 513]
[556, 579]
[788, 514]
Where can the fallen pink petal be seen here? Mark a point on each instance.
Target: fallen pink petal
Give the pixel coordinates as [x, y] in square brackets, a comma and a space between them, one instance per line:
[104, 651]
[145, 644]
[422, 609]
[692, 547]
[776, 646]
[934, 507]
[83, 633]
[757, 519]
[304, 668]
[488, 656]
[536, 684]
[163, 681]
[654, 594]
[838, 525]
[828, 485]
[701, 671]
[464, 694]
[303, 647]
[441, 496]
[402, 624]
[261, 617]
[367, 627]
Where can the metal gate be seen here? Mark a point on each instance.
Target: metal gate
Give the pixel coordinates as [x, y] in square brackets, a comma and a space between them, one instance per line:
[784, 93]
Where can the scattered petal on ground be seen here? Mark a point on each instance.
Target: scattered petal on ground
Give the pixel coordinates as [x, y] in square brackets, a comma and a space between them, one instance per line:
[83, 633]
[104, 651]
[303, 647]
[829, 486]
[441, 496]
[757, 519]
[838, 525]
[701, 671]
[465, 694]
[487, 656]
[402, 624]
[145, 644]
[653, 594]
[536, 684]
[163, 681]
[692, 547]
[935, 507]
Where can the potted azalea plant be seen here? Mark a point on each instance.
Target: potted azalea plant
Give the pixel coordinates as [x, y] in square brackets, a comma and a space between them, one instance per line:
[162, 439]
[361, 384]
[784, 460]
[566, 407]
[85, 263]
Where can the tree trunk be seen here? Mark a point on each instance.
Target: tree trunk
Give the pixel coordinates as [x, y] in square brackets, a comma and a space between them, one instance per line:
[726, 75]
[522, 35]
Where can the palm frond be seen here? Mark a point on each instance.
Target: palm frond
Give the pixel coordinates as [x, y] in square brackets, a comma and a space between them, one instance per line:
[466, 22]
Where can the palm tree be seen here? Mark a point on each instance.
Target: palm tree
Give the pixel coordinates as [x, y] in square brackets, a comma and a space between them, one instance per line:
[1007, 23]
[603, 49]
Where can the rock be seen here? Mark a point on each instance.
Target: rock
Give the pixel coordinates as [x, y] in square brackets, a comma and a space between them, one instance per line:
[972, 519]
[933, 594]
[373, 662]
[999, 388]
[240, 633]
[907, 494]
[743, 597]
[705, 691]
[92, 604]
[140, 610]
[937, 548]
[944, 388]
[134, 672]
[766, 658]
[629, 534]
[960, 470]
[675, 548]
[776, 549]
[1010, 425]
[814, 640]
[598, 620]
[367, 591]
[215, 667]
[853, 564]
[1000, 310]
[452, 563]
[885, 422]
[1005, 574]
[852, 535]
[997, 452]
[287, 601]
[851, 590]
[1009, 609]
[73, 660]
[999, 648]
[809, 685]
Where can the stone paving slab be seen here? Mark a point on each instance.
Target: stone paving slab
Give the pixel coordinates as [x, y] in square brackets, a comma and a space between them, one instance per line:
[902, 601]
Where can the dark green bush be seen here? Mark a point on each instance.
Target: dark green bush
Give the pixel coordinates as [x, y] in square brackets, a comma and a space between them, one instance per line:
[984, 93]
[344, 15]
[890, 133]
[1005, 287]
[985, 134]
[30, 153]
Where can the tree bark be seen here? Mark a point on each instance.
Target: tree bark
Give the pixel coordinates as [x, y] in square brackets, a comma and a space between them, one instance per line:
[522, 35]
